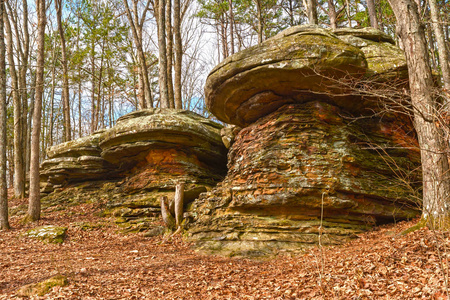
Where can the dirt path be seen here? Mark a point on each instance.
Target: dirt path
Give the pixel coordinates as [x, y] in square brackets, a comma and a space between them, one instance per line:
[101, 263]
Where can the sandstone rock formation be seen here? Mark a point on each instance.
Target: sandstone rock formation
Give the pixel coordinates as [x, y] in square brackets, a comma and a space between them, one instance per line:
[139, 159]
[307, 165]
[74, 161]
[300, 64]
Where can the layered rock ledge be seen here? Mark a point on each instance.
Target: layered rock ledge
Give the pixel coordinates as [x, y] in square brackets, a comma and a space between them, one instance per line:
[301, 64]
[315, 159]
[146, 153]
[303, 168]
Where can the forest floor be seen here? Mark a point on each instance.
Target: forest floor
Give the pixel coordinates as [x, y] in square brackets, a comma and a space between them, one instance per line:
[101, 263]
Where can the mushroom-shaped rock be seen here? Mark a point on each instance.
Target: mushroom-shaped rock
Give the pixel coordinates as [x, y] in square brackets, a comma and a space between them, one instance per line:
[151, 151]
[293, 66]
[157, 148]
[300, 64]
[305, 171]
[77, 160]
[168, 139]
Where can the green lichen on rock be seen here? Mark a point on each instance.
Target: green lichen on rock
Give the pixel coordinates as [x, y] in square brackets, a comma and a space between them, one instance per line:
[42, 288]
[48, 233]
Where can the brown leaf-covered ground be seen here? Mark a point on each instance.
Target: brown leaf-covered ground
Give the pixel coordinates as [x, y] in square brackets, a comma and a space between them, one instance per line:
[101, 263]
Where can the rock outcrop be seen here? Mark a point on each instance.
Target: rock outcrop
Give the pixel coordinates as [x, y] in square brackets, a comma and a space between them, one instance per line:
[310, 162]
[146, 153]
[300, 64]
[75, 161]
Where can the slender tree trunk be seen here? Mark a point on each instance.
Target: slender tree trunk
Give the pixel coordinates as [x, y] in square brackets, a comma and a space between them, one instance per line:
[231, 20]
[179, 203]
[52, 106]
[348, 10]
[372, 14]
[34, 208]
[260, 20]
[178, 53]
[66, 104]
[440, 39]
[169, 39]
[28, 139]
[332, 14]
[93, 107]
[311, 10]
[19, 179]
[163, 91]
[136, 29]
[435, 167]
[4, 223]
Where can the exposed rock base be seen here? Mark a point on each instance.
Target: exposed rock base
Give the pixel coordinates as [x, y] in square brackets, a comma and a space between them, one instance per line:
[306, 171]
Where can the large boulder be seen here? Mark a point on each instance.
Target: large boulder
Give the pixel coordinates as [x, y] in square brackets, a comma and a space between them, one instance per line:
[300, 64]
[174, 141]
[306, 169]
[147, 153]
[316, 159]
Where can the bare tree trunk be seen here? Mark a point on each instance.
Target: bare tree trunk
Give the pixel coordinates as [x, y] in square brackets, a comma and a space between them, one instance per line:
[169, 44]
[435, 167]
[223, 36]
[52, 106]
[178, 53]
[311, 9]
[231, 20]
[165, 213]
[136, 29]
[260, 20]
[66, 104]
[93, 121]
[440, 39]
[332, 14]
[179, 203]
[19, 178]
[34, 207]
[372, 14]
[163, 91]
[4, 223]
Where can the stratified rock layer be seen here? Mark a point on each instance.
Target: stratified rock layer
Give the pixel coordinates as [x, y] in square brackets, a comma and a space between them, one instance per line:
[303, 168]
[147, 153]
[301, 64]
[75, 161]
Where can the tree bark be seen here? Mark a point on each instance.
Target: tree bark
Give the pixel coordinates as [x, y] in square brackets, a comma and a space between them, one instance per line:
[19, 178]
[435, 167]
[179, 203]
[169, 52]
[260, 20]
[34, 207]
[231, 20]
[165, 213]
[436, 23]
[163, 91]
[4, 223]
[311, 10]
[372, 14]
[66, 104]
[178, 53]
